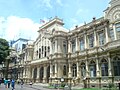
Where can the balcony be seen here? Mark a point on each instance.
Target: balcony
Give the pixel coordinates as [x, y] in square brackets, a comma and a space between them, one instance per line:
[36, 61]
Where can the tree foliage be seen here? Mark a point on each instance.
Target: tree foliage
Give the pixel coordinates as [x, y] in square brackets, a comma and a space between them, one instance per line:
[4, 49]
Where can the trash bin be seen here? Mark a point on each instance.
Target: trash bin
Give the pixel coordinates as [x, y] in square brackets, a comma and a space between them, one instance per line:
[66, 87]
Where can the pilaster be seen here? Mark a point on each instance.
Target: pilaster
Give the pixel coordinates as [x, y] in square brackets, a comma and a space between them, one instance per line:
[45, 74]
[97, 67]
[38, 72]
[95, 38]
[56, 69]
[115, 34]
[109, 65]
[70, 72]
[77, 44]
[106, 34]
[56, 46]
[85, 38]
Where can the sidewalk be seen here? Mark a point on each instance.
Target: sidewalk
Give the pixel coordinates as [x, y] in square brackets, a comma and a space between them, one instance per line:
[38, 85]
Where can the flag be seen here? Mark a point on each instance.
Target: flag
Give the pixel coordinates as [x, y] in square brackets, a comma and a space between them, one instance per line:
[42, 21]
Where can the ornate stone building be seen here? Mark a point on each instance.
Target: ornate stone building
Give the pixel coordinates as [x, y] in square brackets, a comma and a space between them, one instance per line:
[89, 54]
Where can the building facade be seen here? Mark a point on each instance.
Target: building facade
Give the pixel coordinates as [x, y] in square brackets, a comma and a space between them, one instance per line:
[88, 54]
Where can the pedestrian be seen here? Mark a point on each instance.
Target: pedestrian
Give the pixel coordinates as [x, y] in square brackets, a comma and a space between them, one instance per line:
[13, 84]
[5, 82]
[22, 83]
[31, 83]
[8, 83]
[0, 81]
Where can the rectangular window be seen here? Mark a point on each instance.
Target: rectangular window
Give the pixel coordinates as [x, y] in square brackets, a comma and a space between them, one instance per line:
[53, 47]
[82, 47]
[112, 35]
[64, 47]
[73, 46]
[91, 40]
[117, 26]
[101, 37]
[39, 52]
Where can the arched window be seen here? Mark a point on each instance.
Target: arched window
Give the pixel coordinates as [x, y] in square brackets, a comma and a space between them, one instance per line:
[35, 74]
[41, 73]
[104, 67]
[74, 70]
[48, 73]
[83, 70]
[116, 66]
[64, 70]
[92, 69]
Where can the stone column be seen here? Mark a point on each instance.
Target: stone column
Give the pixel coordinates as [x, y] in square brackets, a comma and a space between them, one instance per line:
[87, 71]
[97, 67]
[115, 34]
[60, 70]
[69, 46]
[70, 72]
[95, 38]
[56, 69]
[85, 38]
[45, 74]
[51, 49]
[78, 70]
[109, 66]
[77, 44]
[38, 72]
[56, 45]
[106, 34]
[51, 68]
[60, 45]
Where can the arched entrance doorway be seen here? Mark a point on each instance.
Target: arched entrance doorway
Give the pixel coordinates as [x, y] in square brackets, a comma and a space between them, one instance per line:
[35, 74]
[48, 73]
[41, 74]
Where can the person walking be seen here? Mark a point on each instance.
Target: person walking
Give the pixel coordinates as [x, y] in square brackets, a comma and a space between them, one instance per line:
[0, 81]
[8, 83]
[13, 84]
[5, 83]
[22, 83]
[30, 83]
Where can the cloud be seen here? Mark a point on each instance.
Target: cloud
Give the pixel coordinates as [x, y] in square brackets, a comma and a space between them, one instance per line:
[14, 27]
[59, 2]
[80, 11]
[47, 3]
[44, 3]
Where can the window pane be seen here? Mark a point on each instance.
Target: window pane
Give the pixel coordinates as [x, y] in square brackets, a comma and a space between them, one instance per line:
[112, 34]
[73, 46]
[101, 38]
[91, 40]
[81, 44]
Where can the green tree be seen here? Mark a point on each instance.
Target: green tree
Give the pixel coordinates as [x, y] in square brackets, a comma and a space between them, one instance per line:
[4, 53]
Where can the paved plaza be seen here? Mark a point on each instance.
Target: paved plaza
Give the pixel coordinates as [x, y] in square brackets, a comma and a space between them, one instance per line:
[25, 87]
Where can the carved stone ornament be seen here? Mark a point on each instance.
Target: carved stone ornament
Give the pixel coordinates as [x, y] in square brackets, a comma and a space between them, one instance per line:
[114, 13]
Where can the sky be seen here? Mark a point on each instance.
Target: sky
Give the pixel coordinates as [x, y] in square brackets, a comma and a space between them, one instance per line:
[21, 18]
